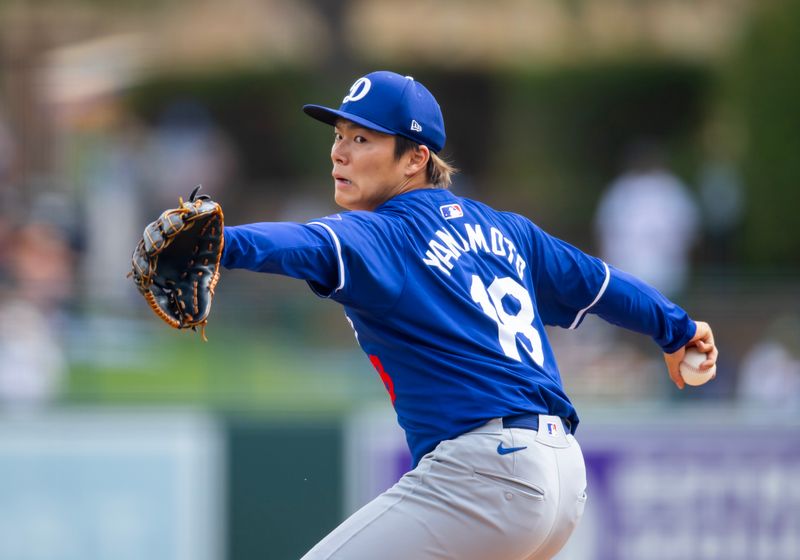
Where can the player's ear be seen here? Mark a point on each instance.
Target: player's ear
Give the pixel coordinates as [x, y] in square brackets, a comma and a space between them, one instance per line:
[418, 158]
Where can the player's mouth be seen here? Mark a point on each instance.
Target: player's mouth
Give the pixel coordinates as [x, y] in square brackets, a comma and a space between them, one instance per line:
[340, 181]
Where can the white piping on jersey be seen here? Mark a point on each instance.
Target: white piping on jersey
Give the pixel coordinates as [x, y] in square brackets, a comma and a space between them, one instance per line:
[338, 253]
[583, 311]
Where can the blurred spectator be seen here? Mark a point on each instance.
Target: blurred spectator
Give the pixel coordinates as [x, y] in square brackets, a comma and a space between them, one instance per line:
[9, 197]
[6, 234]
[32, 361]
[113, 182]
[722, 197]
[722, 193]
[38, 283]
[647, 222]
[7, 153]
[101, 150]
[41, 266]
[770, 371]
[187, 148]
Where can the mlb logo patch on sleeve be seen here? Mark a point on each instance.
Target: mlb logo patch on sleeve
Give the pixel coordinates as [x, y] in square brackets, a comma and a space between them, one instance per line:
[450, 211]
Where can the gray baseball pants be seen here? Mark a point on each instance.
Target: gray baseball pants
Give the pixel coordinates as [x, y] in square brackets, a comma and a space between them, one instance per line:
[473, 499]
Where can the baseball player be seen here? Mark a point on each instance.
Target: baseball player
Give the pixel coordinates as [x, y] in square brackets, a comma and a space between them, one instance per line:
[449, 298]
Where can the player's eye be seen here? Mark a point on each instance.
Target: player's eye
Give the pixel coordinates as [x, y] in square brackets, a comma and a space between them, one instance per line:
[359, 139]
[336, 136]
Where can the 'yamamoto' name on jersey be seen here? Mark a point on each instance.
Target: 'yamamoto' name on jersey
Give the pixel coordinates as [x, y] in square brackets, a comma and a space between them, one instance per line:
[444, 250]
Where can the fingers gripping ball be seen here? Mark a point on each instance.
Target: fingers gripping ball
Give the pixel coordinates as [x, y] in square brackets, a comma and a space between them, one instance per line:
[175, 265]
[690, 368]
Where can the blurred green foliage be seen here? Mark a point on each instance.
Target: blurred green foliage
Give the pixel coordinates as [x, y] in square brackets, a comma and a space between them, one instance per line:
[565, 131]
[764, 87]
[260, 109]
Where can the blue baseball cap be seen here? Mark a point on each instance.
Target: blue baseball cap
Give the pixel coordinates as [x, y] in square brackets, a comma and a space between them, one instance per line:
[392, 104]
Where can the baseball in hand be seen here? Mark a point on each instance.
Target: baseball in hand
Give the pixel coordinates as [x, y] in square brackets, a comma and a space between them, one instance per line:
[690, 368]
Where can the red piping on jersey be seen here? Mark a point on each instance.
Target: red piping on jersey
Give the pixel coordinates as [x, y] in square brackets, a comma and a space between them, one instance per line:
[387, 381]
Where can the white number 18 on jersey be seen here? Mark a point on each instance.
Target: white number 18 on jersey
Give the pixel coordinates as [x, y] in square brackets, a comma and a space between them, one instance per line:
[509, 325]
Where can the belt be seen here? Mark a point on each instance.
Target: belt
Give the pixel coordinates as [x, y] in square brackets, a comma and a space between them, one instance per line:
[530, 421]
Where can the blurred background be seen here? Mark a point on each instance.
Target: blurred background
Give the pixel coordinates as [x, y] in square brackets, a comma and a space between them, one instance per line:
[661, 135]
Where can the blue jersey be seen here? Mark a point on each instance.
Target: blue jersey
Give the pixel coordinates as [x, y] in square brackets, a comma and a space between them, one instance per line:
[449, 298]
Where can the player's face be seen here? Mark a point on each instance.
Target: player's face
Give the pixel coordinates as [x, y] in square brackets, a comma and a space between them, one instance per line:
[365, 171]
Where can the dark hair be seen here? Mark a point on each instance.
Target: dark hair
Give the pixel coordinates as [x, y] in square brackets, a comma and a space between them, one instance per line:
[438, 171]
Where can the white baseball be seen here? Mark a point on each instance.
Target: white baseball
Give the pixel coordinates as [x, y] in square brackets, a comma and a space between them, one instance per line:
[690, 367]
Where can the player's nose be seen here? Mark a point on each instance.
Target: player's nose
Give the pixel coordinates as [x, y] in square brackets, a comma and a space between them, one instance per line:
[338, 153]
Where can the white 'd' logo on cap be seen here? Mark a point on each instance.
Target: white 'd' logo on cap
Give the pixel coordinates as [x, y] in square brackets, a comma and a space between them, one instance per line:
[358, 90]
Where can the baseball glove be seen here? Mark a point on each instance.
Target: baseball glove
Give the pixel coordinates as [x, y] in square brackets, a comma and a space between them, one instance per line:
[176, 263]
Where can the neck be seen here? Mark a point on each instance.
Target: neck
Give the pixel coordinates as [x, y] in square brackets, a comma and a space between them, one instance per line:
[412, 183]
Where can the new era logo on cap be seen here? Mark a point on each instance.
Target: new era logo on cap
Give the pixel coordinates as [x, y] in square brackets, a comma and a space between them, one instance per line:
[392, 104]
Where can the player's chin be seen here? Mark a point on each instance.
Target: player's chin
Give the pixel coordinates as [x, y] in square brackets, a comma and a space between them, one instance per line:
[346, 198]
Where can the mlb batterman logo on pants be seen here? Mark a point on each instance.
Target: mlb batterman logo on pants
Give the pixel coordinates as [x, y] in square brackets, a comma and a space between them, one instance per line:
[449, 299]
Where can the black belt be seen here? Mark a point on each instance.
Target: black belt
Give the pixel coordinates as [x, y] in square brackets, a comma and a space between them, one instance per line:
[530, 421]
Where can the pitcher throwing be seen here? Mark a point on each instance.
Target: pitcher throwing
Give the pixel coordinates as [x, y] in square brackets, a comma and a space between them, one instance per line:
[449, 298]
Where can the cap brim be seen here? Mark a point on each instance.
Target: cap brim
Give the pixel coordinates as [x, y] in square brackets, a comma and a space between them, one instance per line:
[330, 116]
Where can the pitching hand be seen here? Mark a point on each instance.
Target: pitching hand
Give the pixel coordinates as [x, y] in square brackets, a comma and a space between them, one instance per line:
[703, 339]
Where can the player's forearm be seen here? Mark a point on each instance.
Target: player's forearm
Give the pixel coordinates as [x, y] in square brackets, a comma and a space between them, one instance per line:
[286, 248]
[634, 305]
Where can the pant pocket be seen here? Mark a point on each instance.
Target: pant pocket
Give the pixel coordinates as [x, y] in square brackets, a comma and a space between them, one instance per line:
[516, 485]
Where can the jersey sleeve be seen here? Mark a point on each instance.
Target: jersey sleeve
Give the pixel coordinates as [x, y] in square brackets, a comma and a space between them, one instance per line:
[567, 281]
[630, 303]
[569, 284]
[296, 250]
[370, 259]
